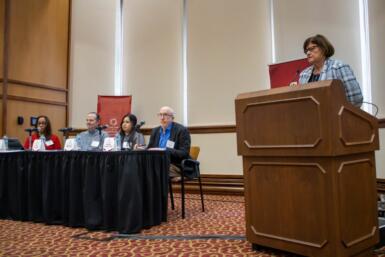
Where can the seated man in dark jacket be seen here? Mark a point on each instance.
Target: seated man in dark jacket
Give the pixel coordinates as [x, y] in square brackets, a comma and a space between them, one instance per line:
[173, 137]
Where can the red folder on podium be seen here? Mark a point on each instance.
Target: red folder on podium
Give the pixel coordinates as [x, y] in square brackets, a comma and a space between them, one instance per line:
[282, 74]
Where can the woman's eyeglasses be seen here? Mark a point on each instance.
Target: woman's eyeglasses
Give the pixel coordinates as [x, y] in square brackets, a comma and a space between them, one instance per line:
[310, 49]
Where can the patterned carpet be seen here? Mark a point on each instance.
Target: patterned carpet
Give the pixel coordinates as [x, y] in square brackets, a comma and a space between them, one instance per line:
[217, 232]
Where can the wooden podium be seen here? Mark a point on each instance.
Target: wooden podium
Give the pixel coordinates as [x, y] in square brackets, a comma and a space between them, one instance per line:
[309, 170]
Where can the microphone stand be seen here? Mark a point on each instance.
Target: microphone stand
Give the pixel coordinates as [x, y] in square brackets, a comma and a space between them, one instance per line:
[65, 134]
[30, 130]
[99, 128]
[30, 139]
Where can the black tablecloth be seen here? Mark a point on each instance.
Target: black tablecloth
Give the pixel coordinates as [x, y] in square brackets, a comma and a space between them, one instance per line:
[120, 191]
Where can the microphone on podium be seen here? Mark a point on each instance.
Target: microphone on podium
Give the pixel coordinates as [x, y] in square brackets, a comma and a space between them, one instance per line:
[293, 82]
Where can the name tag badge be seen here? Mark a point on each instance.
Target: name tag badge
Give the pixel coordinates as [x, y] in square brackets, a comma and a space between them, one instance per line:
[49, 143]
[126, 145]
[170, 144]
[95, 143]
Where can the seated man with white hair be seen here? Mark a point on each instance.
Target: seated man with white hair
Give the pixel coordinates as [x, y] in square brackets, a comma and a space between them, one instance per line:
[173, 137]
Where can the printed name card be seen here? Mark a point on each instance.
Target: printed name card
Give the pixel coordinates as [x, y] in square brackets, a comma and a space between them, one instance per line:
[38, 145]
[70, 145]
[109, 144]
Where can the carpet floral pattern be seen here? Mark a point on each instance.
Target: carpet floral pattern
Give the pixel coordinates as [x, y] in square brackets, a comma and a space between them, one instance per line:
[220, 231]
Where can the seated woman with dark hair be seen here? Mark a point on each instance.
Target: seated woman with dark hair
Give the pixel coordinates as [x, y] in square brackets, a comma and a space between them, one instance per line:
[318, 51]
[44, 131]
[128, 138]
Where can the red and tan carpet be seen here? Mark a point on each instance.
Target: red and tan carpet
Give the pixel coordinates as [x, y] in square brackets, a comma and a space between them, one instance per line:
[220, 231]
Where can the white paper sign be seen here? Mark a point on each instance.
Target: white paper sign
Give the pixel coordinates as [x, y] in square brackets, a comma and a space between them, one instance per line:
[2, 145]
[38, 145]
[49, 142]
[95, 143]
[70, 145]
[170, 144]
[109, 144]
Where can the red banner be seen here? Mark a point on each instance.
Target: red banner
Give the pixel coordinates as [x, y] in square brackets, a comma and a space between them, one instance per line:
[111, 110]
[282, 74]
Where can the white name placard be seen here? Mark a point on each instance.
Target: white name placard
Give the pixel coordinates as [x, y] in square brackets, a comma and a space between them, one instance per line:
[109, 144]
[70, 145]
[38, 145]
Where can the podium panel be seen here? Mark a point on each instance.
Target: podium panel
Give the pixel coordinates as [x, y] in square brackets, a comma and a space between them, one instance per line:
[303, 120]
[276, 121]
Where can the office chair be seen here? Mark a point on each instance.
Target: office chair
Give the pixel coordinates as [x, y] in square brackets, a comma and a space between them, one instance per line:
[190, 171]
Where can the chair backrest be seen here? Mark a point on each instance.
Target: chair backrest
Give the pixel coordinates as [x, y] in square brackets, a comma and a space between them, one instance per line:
[194, 152]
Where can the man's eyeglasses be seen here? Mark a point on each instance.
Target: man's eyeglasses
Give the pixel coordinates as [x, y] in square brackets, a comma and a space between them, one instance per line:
[163, 115]
[311, 49]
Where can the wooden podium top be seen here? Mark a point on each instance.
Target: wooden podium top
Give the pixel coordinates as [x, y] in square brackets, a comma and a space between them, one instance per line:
[314, 119]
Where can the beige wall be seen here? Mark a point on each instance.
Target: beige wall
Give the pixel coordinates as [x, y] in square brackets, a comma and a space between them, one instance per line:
[228, 53]
[152, 53]
[377, 39]
[226, 56]
[380, 156]
[92, 56]
[218, 153]
[296, 20]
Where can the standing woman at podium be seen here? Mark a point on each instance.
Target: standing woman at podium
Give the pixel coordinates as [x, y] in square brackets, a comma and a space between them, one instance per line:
[44, 132]
[318, 51]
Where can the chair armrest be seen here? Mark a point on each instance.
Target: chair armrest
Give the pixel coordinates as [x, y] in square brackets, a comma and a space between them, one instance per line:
[189, 162]
[190, 168]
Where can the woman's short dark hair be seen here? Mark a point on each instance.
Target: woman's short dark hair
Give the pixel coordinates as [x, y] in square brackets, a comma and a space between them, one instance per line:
[132, 119]
[48, 129]
[322, 42]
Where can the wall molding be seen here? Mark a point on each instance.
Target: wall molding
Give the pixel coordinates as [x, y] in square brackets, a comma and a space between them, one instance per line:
[381, 185]
[208, 129]
[35, 85]
[214, 184]
[212, 129]
[381, 123]
[215, 129]
[35, 100]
